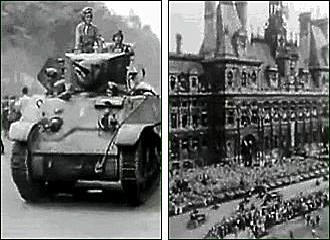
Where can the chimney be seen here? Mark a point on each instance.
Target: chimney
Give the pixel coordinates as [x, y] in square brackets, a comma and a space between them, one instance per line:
[178, 43]
[241, 7]
[210, 29]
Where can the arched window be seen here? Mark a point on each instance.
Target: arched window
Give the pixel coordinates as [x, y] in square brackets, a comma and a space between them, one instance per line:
[230, 77]
[300, 115]
[195, 143]
[174, 120]
[314, 112]
[185, 144]
[267, 118]
[184, 120]
[195, 120]
[254, 77]
[244, 78]
[276, 141]
[204, 119]
[254, 117]
[230, 117]
[245, 119]
[284, 116]
[276, 117]
[307, 113]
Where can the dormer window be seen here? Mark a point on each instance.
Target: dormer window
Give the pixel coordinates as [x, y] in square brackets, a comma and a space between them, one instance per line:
[183, 83]
[193, 80]
[172, 82]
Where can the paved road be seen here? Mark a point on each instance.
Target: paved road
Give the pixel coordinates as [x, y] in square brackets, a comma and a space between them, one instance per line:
[177, 224]
[64, 217]
[297, 226]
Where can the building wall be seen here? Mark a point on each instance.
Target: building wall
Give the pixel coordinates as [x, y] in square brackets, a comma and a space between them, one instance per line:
[210, 119]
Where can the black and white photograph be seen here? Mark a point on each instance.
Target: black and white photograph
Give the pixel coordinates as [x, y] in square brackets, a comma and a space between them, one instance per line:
[81, 119]
[248, 117]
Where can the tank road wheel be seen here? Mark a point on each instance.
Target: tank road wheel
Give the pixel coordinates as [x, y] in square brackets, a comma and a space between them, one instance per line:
[30, 189]
[139, 167]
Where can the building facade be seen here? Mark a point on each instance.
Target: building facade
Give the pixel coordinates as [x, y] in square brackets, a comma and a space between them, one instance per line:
[250, 98]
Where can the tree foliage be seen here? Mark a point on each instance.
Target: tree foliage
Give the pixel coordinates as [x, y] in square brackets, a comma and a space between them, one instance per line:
[33, 31]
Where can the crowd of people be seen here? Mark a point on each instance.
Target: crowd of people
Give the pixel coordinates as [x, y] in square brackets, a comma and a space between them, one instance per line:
[198, 187]
[256, 220]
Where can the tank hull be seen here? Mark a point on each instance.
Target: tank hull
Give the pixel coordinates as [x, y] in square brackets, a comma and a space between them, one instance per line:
[73, 167]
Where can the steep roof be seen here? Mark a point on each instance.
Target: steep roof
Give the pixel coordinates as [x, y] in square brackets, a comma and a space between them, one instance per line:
[185, 65]
[320, 48]
[228, 26]
[260, 50]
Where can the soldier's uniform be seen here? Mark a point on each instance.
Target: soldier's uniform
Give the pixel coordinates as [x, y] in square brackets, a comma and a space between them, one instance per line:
[87, 33]
[119, 46]
[86, 36]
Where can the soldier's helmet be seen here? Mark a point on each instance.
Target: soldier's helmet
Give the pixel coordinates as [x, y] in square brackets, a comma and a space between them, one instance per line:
[120, 34]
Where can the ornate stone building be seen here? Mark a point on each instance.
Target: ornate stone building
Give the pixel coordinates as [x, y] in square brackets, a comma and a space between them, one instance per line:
[250, 98]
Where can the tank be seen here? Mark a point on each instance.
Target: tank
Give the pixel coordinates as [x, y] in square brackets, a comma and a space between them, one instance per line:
[90, 130]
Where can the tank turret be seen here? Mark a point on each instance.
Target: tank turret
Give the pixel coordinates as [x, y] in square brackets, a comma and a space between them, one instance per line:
[85, 72]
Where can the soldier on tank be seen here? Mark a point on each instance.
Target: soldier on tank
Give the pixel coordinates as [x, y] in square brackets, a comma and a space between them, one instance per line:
[87, 34]
[118, 46]
[132, 76]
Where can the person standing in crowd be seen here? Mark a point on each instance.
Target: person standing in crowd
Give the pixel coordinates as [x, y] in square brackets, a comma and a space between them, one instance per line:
[308, 218]
[317, 219]
[23, 100]
[291, 235]
[2, 148]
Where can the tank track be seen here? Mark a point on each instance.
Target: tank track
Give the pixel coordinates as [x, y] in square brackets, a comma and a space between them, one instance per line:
[30, 189]
[135, 177]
